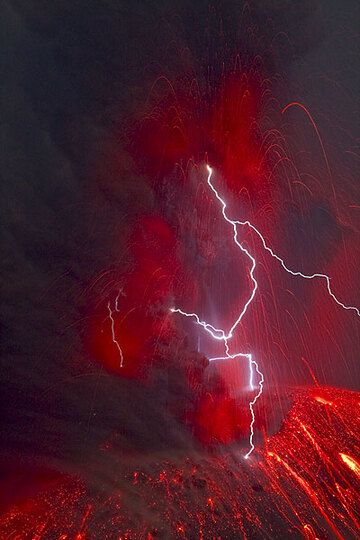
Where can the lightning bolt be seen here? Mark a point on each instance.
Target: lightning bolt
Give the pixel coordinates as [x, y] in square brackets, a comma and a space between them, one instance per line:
[112, 321]
[220, 334]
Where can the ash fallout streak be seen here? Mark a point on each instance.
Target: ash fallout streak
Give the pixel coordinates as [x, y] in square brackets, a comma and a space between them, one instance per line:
[221, 335]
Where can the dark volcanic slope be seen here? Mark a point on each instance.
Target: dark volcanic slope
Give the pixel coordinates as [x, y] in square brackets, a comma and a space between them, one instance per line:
[304, 484]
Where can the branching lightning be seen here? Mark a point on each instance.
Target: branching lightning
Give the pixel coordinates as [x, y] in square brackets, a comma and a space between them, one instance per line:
[297, 273]
[221, 335]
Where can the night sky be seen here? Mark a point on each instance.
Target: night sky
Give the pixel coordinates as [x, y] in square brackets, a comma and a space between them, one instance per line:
[92, 201]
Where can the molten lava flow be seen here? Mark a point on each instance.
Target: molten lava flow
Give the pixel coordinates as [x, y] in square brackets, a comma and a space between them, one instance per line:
[304, 485]
[351, 463]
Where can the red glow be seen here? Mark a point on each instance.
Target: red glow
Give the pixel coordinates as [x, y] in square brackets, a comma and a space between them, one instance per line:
[308, 476]
[351, 463]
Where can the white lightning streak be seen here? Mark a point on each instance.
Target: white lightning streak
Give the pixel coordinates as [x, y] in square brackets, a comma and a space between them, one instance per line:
[219, 334]
[297, 273]
[251, 406]
[115, 341]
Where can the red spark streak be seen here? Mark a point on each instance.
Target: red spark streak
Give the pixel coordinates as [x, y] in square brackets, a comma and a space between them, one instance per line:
[351, 463]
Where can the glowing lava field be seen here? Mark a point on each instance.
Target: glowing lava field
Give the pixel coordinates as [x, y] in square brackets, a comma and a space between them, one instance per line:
[303, 484]
[181, 309]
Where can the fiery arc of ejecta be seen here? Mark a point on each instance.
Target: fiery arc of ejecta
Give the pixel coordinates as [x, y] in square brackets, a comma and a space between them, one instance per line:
[220, 335]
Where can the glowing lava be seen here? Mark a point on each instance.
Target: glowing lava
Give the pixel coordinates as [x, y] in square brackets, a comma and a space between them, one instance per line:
[351, 463]
[304, 486]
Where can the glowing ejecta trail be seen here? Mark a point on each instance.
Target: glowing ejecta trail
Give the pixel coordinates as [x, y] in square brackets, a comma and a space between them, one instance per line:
[220, 334]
